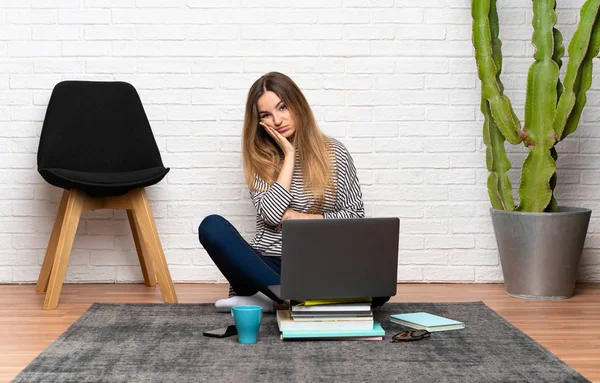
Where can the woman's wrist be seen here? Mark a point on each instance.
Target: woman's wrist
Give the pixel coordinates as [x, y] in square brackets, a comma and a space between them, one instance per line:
[290, 155]
[286, 172]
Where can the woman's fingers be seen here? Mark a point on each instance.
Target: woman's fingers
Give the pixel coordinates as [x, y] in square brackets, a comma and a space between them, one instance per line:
[267, 128]
[273, 133]
[279, 139]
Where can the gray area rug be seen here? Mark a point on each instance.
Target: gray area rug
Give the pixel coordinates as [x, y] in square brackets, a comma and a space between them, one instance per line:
[164, 343]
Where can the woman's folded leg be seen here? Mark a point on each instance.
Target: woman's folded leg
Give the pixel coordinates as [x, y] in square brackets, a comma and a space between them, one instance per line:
[248, 272]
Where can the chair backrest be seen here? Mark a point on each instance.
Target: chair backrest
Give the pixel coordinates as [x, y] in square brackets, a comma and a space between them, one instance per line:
[96, 126]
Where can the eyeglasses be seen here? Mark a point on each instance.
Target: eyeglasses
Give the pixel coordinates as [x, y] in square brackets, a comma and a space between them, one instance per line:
[409, 336]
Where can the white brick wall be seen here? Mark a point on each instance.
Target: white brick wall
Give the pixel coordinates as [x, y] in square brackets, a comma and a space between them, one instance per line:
[394, 80]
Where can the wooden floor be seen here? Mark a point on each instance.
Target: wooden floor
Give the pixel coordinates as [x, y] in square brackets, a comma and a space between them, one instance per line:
[570, 328]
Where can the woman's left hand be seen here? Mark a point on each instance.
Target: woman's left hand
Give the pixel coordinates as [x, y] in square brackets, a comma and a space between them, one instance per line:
[293, 214]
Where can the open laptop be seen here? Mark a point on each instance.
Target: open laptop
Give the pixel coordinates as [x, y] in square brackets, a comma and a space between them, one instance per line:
[338, 258]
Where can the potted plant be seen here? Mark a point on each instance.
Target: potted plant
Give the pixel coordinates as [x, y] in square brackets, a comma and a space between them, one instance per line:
[540, 243]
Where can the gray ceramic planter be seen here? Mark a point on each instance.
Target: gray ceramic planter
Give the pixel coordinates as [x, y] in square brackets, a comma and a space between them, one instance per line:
[540, 252]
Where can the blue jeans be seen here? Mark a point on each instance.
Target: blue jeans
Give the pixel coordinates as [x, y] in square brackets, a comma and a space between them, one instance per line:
[246, 269]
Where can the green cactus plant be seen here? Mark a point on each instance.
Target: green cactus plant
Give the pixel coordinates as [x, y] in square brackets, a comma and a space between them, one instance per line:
[552, 108]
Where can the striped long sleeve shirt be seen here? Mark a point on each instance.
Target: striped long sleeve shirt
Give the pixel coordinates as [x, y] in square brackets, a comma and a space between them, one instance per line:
[271, 201]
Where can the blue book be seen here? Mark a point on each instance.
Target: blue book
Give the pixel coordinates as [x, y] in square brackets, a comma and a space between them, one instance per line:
[298, 334]
[426, 321]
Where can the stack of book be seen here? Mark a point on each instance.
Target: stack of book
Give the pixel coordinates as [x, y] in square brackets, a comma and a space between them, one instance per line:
[348, 321]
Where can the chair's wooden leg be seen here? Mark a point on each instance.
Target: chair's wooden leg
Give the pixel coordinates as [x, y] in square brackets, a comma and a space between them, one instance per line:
[143, 214]
[63, 249]
[145, 261]
[42, 283]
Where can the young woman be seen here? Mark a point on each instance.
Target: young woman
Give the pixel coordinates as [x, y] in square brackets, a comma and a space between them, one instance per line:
[293, 171]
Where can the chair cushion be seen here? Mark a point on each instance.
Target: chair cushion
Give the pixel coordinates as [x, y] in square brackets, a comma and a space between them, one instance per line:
[103, 184]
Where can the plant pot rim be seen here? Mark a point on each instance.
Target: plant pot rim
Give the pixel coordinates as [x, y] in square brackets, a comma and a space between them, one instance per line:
[563, 210]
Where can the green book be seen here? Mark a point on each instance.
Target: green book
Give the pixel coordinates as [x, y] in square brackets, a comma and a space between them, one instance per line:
[376, 331]
[426, 321]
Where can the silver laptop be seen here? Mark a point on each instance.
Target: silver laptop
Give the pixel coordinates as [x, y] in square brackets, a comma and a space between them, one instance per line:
[339, 258]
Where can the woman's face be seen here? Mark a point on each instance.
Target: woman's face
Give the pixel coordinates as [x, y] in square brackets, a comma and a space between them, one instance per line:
[273, 112]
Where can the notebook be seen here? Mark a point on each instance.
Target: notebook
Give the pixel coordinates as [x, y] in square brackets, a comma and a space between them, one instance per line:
[339, 338]
[363, 307]
[287, 323]
[426, 321]
[335, 301]
[376, 331]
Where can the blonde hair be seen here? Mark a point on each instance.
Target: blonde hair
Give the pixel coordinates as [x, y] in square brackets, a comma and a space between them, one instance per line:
[262, 156]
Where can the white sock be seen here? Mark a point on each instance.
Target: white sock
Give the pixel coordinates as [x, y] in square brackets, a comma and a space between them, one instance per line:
[258, 299]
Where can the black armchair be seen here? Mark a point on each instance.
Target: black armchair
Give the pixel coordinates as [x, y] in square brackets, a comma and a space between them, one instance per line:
[97, 144]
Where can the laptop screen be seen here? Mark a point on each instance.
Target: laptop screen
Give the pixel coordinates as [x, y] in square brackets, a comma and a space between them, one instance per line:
[339, 258]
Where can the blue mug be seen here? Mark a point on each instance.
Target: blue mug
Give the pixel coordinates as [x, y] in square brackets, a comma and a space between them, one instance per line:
[247, 321]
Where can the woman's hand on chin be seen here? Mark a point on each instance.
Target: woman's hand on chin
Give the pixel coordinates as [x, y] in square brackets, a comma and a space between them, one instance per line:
[286, 146]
